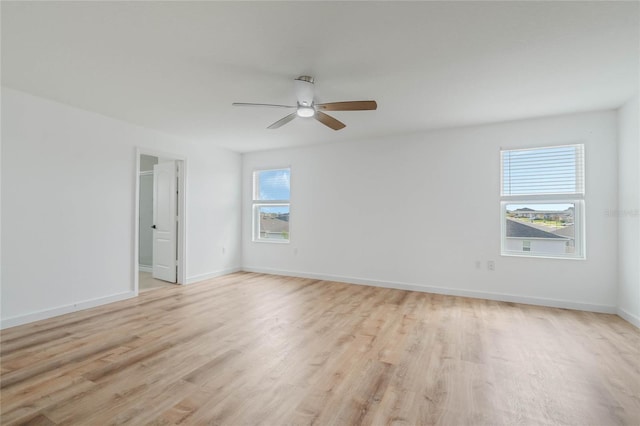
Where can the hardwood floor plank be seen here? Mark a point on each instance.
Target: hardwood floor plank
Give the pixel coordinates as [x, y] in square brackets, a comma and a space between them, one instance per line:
[249, 348]
[71, 354]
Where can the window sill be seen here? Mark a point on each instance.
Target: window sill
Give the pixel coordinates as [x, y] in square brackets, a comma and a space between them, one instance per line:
[272, 241]
[542, 256]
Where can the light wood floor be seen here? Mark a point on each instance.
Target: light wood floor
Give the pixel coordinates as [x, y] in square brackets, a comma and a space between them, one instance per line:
[257, 349]
[147, 282]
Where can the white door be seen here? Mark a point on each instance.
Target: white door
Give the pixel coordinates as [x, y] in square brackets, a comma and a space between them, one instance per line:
[164, 221]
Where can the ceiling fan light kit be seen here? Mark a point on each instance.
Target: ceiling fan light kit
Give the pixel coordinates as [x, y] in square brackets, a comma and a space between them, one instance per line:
[307, 108]
[305, 111]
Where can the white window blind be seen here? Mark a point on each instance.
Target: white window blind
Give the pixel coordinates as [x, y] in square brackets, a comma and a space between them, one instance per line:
[543, 171]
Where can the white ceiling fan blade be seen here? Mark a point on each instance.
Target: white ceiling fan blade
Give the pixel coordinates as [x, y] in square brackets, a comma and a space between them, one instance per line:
[283, 121]
[249, 104]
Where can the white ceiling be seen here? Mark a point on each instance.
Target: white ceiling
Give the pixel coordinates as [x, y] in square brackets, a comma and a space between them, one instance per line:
[177, 66]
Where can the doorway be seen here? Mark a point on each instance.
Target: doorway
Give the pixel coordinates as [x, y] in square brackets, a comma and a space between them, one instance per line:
[159, 234]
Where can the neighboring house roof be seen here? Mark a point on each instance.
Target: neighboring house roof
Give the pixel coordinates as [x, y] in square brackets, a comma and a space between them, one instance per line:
[271, 224]
[567, 231]
[526, 209]
[517, 229]
[542, 227]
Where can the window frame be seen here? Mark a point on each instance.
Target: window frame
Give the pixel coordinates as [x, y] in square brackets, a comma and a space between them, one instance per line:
[579, 233]
[575, 198]
[257, 203]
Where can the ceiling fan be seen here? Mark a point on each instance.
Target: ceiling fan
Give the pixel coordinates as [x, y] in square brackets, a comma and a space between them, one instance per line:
[307, 108]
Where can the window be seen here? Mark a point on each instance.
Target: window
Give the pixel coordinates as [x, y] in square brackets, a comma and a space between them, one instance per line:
[271, 195]
[542, 202]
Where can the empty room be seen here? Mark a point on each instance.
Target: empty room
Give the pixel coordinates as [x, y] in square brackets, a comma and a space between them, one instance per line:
[312, 212]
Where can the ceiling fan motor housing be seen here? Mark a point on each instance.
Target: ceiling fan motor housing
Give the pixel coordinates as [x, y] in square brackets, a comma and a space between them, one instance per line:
[304, 90]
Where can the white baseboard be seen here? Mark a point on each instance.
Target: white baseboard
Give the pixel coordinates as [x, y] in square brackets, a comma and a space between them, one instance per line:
[61, 310]
[145, 268]
[86, 304]
[208, 276]
[538, 301]
[629, 317]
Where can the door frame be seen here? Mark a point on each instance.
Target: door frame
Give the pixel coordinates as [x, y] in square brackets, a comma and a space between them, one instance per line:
[181, 163]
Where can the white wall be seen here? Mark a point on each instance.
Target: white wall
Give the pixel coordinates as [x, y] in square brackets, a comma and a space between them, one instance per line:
[628, 212]
[68, 221]
[391, 211]
[417, 211]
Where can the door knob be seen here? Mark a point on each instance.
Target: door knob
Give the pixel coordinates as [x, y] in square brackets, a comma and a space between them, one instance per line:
[153, 226]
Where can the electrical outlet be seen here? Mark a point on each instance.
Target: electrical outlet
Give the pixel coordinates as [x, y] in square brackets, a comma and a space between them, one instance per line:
[491, 265]
[295, 251]
[224, 250]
